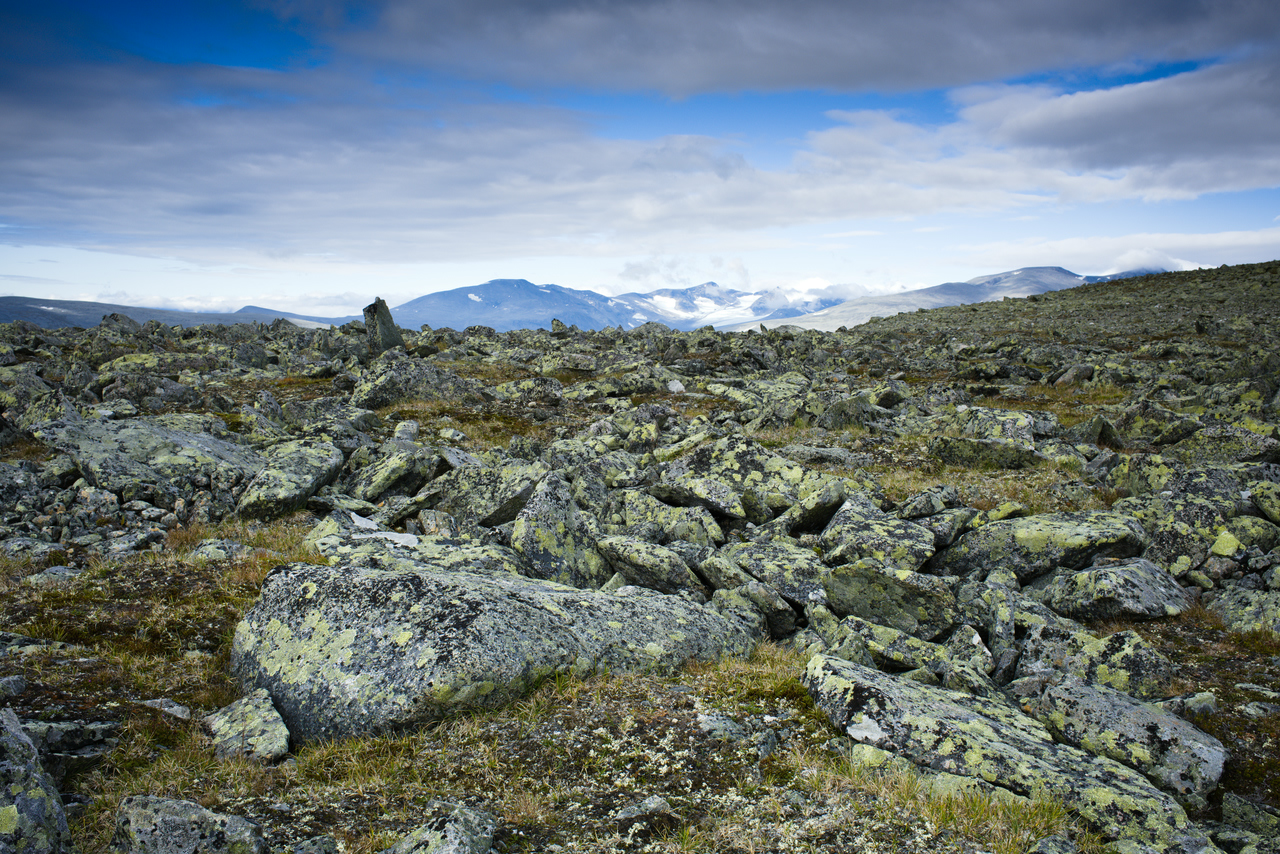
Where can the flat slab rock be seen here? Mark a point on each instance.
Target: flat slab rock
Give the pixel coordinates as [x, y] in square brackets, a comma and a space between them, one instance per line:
[990, 739]
[346, 650]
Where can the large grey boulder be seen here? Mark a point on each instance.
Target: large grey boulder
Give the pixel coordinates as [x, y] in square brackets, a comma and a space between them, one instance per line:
[32, 820]
[346, 649]
[1173, 753]
[291, 473]
[1034, 545]
[150, 825]
[991, 740]
[1134, 588]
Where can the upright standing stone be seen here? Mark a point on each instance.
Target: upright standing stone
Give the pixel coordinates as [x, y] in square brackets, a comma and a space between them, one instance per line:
[32, 820]
[381, 329]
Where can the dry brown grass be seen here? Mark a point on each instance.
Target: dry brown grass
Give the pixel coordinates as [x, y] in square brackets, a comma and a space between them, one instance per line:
[1071, 403]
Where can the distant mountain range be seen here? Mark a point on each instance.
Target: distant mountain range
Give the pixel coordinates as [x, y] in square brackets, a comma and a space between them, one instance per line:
[1016, 283]
[506, 304]
[517, 303]
[53, 314]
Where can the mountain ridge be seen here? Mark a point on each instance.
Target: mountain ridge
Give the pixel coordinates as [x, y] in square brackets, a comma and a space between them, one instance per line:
[507, 304]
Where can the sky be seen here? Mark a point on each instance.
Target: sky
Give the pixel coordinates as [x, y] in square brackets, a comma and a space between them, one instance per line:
[312, 154]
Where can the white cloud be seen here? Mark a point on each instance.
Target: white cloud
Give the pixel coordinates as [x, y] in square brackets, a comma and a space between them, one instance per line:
[1116, 253]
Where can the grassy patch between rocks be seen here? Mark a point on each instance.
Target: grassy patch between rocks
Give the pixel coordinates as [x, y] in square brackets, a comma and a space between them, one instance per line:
[1072, 404]
[557, 766]
[26, 449]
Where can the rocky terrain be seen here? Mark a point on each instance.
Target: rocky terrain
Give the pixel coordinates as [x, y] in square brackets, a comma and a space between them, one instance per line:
[996, 577]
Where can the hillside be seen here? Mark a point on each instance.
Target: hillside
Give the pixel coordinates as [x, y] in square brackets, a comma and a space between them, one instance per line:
[998, 577]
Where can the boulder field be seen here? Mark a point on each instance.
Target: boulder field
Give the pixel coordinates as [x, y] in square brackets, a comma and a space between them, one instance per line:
[491, 510]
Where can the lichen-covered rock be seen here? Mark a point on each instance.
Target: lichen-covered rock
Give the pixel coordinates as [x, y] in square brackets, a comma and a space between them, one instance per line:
[345, 650]
[552, 534]
[395, 377]
[452, 829]
[1174, 755]
[1134, 588]
[859, 529]
[482, 495]
[648, 565]
[32, 819]
[1266, 497]
[687, 524]
[1224, 443]
[984, 453]
[1126, 662]
[792, 570]
[249, 727]
[1035, 545]
[918, 604]
[156, 459]
[1245, 610]
[150, 825]
[993, 741]
[291, 473]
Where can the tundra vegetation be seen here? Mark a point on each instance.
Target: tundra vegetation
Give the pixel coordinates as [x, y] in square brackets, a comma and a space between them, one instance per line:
[1000, 577]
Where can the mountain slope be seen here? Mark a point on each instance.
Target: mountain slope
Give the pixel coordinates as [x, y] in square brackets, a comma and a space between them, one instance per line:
[1013, 283]
[54, 314]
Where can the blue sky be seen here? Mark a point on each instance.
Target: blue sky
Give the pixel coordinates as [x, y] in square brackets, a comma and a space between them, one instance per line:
[312, 154]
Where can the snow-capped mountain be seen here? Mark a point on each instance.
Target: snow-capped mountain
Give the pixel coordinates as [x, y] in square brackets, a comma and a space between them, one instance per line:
[1014, 283]
[506, 304]
[519, 304]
